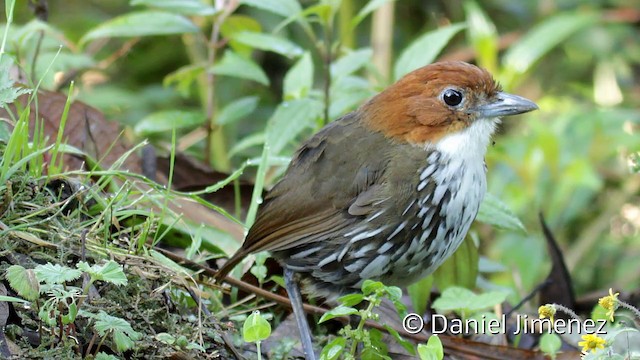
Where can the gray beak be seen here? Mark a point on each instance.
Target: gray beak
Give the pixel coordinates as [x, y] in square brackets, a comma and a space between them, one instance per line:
[505, 105]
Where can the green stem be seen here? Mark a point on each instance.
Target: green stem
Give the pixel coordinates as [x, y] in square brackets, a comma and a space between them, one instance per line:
[364, 316]
[635, 311]
[258, 349]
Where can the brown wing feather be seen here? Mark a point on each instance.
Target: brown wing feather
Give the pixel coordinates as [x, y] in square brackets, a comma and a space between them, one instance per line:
[324, 189]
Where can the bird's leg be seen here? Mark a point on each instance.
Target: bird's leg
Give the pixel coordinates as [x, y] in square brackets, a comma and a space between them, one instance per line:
[298, 312]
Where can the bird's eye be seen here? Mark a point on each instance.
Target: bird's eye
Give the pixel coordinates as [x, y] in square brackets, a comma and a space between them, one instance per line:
[452, 97]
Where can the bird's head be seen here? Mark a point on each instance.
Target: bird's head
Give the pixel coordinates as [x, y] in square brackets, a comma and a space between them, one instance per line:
[439, 100]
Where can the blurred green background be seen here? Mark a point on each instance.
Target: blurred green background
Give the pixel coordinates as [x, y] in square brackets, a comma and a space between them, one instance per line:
[152, 66]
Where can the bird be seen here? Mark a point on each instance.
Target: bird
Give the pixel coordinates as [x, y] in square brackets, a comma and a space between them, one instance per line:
[387, 192]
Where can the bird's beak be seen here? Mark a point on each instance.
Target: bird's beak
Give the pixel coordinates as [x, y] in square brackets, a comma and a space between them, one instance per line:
[504, 105]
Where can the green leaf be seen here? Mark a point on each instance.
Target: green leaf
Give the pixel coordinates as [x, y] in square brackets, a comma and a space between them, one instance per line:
[332, 350]
[237, 109]
[235, 65]
[544, 37]
[338, 311]
[13, 299]
[351, 299]
[420, 292]
[406, 344]
[482, 35]
[24, 282]
[550, 343]
[110, 272]
[9, 5]
[268, 42]
[463, 300]
[71, 314]
[351, 63]
[183, 78]
[299, 79]
[184, 7]
[394, 293]
[288, 121]
[8, 92]
[142, 23]
[433, 350]
[105, 356]
[255, 328]
[235, 24]
[123, 334]
[165, 338]
[162, 122]
[283, 8]
[424, 49]
[371, 6]
[495, 212]
[56, 273]
[370, 286]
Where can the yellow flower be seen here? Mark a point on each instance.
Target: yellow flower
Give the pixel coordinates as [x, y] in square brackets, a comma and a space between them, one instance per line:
[610, 303]
[591, 342]
[547, 311]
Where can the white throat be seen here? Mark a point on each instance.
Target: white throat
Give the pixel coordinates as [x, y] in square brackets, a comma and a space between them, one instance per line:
[470, 143]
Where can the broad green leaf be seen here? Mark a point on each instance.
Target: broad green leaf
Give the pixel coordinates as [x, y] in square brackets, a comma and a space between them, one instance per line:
[299, 79]
[420, 292]
[465, 301]
[283, 8]
[406, 344]
[8, 92]
[488, 300]
[544, 37]
[371, 6]
[370, 286]
[255, 328]
[433, 350]
[495, 212]
[236, 110]
[461, 269]
[550, 343]
[289, 120]
[123, 334]
[453, 299]
[72, 312]
[338, 311]
[185, 7]
[235, 65]
[165, 338]
[394, 293]
[105, 356]
[142, 23]
[351, 299]
[482, 35]
[23, 281]
[110, 272]
[239, 23]
[268, 42]
[55, 273]
[332, 350]
[163, 121]
[424, 49]
[351, 63]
